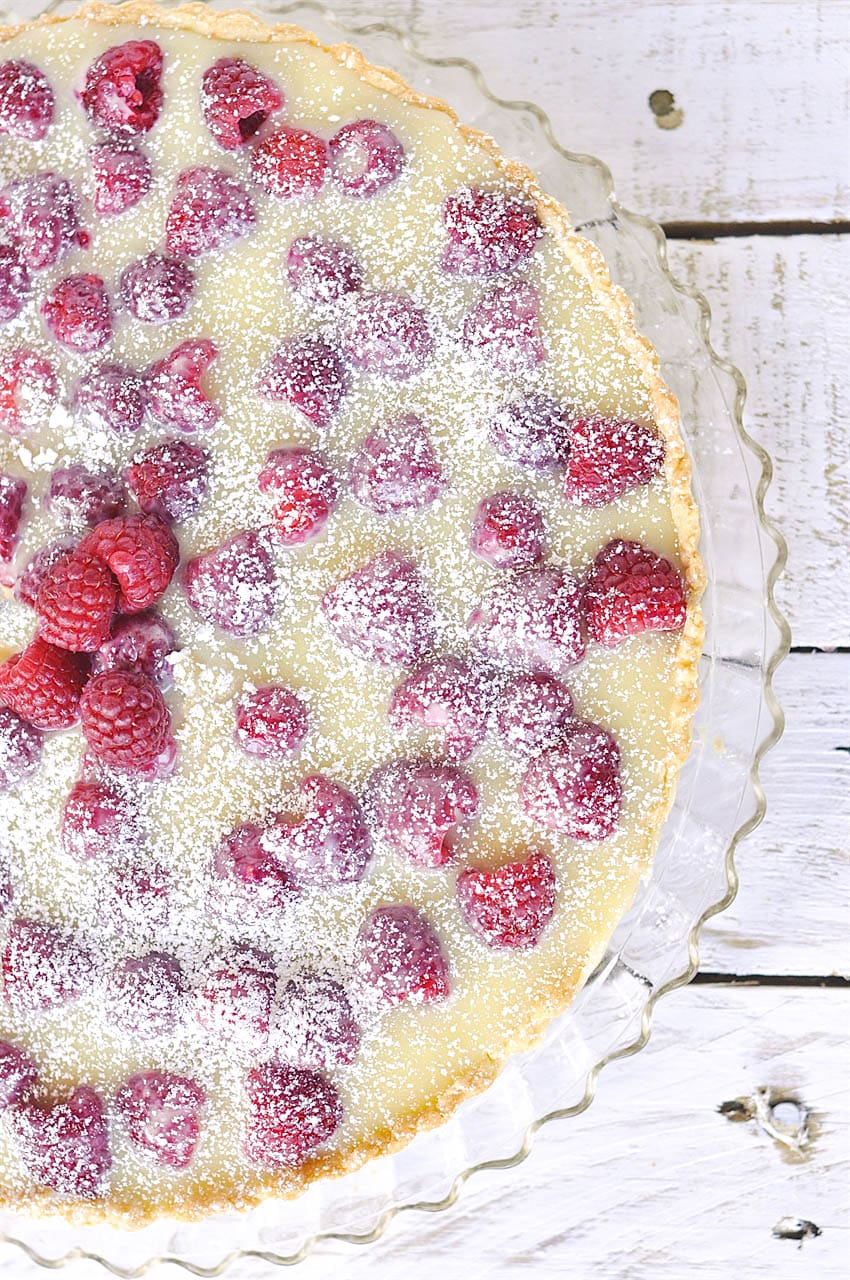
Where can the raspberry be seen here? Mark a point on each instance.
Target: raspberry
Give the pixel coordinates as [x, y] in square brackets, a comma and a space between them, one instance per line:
[18, 1075]
[488, 233]
[504, 327]
[145, 995]
[237, 100]
[142, 553]
[419, 809]
[532, 713]
[210, 210]
[138, 892]
[29, 580]
[291, 1113]
[43, 684]
[76, 496]
[271, 722]
[366, 158]
[43, 219]
[535, 432]
[382, 611]
[511, 905]
[174, 387]
[235, 998]
[43, 968]
[396, 469]
[157, 289]
[13, 491]
[142, 643]
[630, 590]
[386, 334]
[315, 1024]
[575, 787]
[98, 822]
[65, 1145]
[14, 282]
[399, 958]
[122, 92]
[162, 1114]
[608, 457]
[125, 720]
[26, 101]
[78, 313]
[122, 176]
[308, 374]
[290, 164]
[448, 694]
[305, 489]
[169, 480]
[76, 601]
[507, 531]
[233, 585]
[321, 270]
[330, 844]
[248, 883]
[531, 620]
[28, 390]
[20, 749]
[111, 397]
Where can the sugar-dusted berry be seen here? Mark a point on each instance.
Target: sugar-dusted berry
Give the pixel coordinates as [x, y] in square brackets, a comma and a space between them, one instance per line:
[305, 491]
[175, 395]
[504, 328]
[419, 809]
[291, 1113]
[507, 531]
[321, 271]
[145, 995]
[43, 967]
[141, 642]
[271, 721]
[157, 288]
[99, 821]
[532, 620]
[234, 585]
[396, 469]
[111, 397]
[629, 590]
[366, 158]
[77, 497]
[382, 611]
[510, 905]
[169, 480]
[43, 218]
[237, 100]
[211, 209]
[78, 313]
[20, 749]
[330, 843]
[533, 431]
[488, 232]
[387, 334]
[162, 1112]
[306, 372]
[122, 175]
[234, 998]
[450, 695]
[314, 1023]
[26, 100]
[122, 93]
[532, 713]
[399, 957]
[290, 164]
[28, 390]
[575, 786]
[64, 1145]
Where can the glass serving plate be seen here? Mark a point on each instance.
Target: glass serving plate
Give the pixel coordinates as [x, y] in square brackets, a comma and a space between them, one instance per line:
[719, 798]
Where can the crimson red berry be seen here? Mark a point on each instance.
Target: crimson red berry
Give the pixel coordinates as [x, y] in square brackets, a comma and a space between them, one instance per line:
[511, 905]
[532, 620]
[176, 398]
[42, 216]
[532, 713]
[162, 1112]
[145, 994]
[18, 1075]
[447, 694]
[26, 100]
[14, 282]
[330, 844]
[78, 313]
[77, 496]
[65, 1145]
[43, 968]
[237, 100]
[111, 397]
[122, 93]
[290, 163]
[169, 480]
[488, 233]
[44, 683]
[141, 642]
[386, 334]
[28, 390]
[504, 327]
[305, 490]
[507, 531]
[419, 809]
[156, 289]
[235, 997]
[125, 721]
[13, 491]
[142, 553]
[321, 271]
[630, 590]
[399, 958]
[248, 882]
[76, 601]
[29, 580]
[575, 787]
[396, 469]
[608, 457]
[382, 611]
[122, 176]
[366, 158]
[308, 374]
[315, 1024]
[271, 722]
[98, 821]
[210, 210]
[20, 749]
[291, 1113]
[233, 585]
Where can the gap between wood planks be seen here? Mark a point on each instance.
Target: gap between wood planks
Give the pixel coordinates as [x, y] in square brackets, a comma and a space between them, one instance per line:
[732, 230]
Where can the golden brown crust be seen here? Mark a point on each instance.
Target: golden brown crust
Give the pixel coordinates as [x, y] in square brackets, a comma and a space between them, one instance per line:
[235, 25]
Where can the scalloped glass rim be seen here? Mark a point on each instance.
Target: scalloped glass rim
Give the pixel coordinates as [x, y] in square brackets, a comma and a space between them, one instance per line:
[719, 799]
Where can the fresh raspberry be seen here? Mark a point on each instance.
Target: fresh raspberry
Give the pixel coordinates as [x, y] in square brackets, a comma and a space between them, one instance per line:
[308, 374]
[145, 995]
[43, 684]
[20, 749]
[76, 601]
[28, 390]
[488, 233]
[176, 397]
[137, 891]
[76, 496]
[43, 967]
[608, 457]
[575, 787]
[234, 585]
[142, 553]
[98, 822]
[270, 722]
[13, 491]
[382, 611]
[26, 101]
[111, 397]
[330, 844]
[504, 327]
[169, 480]
[366, 158]
[532, 620]
[248, 883]
[125, 721]
[315, 1024]
[511, 905]
[399, 958]
[448, 694]
[211, 210]
[630, 590]
[42, 216]
[420, 809]
[532, 713]
[305, 489]
[14, 282]
[534, 432]
[122, 176]
[122, 92]
[65, 1145]
[291, 1113]
[156, 289]
[235, 997]
[386, 334]
[142, 642]
[507, 531]
[162, 1112]
[78, 313]
[321, 271]
[18, 1075]
[237, 100]
[290, 164]
[29, 580]
[396, 469]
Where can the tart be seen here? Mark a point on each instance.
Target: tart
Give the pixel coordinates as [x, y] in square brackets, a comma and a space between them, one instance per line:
[351, 615]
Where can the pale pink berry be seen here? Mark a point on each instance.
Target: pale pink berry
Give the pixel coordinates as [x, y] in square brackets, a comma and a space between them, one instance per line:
[330, 843]
[449, 695]
[366, 158]
[145, 995]
[382, 611]
[504, 328]
[532, 713]
[233, 585]
[314, 1023]
[321, 271]
[396, 469]
[162, 1112]
[122, 176]
[534, 431]
[386, 334]
[399, 958]
[307, 373]
[531, 620]
[271, 722]
[175, 395]
[420, 809]
[575, 787]
[511, 905]
[43, 218]
[507, 531]
[488, 232]
[234, 999]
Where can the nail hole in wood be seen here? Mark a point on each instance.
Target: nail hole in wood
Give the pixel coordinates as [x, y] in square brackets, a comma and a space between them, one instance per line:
[796, 1229]
[779, 1115]
[662, 104]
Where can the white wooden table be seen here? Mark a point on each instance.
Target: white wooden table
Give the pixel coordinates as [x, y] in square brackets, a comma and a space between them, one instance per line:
[660, 1178]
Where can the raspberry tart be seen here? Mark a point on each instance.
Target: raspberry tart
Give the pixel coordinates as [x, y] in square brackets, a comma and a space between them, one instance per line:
[351, 614]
